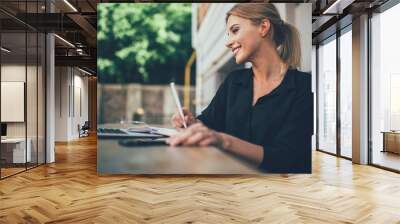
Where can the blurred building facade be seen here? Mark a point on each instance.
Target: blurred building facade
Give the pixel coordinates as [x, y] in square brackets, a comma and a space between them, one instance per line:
[153, 104]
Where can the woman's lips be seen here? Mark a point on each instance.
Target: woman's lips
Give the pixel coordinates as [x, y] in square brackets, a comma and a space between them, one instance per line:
[235, 50]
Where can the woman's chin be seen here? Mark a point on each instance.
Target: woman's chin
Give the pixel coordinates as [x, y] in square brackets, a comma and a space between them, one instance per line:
[238, 60]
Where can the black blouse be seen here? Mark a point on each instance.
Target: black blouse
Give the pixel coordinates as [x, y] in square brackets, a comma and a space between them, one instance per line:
[281, 121]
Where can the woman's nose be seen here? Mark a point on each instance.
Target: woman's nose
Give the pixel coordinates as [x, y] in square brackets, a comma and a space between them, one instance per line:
[229, 43]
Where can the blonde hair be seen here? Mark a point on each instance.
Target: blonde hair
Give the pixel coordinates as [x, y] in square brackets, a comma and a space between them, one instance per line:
[284, 35]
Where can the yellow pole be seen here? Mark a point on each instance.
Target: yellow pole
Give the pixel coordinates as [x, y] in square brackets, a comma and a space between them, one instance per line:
[186, 94]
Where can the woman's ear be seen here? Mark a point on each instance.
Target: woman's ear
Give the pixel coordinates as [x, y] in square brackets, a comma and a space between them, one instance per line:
[264, 27]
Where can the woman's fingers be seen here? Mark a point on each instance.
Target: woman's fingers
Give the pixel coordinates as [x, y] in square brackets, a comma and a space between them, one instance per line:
[189, 118]
[186, 120]
[180, 138]
[186, 111]
[198, 127]
[177, 121]
[195, 139]
[174, 119]
[197, 134]
[207, 142]
[184, 135]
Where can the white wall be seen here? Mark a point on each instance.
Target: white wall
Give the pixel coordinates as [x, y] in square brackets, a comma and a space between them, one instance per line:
[61, 103]
[33, 127]
[70, 83]
[11, 73]
[16, 72]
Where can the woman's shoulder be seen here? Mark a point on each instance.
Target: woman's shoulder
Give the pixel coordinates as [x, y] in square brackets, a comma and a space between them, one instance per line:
[239, 76]
[302, 80]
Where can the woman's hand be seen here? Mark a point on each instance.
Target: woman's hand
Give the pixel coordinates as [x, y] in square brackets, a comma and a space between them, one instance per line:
[177, 120]
[196, 135]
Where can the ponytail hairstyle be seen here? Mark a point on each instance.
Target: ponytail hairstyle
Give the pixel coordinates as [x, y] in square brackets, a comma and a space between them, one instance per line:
[284, 35]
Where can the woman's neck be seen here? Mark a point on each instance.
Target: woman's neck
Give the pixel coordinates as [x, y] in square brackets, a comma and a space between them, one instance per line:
[267, 65]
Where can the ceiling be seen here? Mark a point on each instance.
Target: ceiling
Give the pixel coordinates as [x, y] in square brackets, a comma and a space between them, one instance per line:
[76, 20]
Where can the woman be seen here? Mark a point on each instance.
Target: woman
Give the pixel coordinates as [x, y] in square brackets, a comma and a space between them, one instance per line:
[263, 114]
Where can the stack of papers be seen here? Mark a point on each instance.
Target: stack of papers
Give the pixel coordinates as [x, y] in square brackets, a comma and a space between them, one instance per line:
[153, 130]
[164, 131]
[145, 129]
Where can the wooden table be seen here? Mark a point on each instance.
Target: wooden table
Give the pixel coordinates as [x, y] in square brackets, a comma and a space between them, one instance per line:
[113, 158]
[391, 141]
[14, 152]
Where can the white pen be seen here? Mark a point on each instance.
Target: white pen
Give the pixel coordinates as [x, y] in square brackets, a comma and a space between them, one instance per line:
[178, 103]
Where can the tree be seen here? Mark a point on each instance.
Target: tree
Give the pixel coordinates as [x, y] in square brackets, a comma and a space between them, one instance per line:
[143, 42]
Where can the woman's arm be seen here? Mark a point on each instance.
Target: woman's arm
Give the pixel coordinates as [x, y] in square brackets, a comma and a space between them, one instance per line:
[199, 134]
[288, 152]
[212, 116]
[290, 149]
[249, 151]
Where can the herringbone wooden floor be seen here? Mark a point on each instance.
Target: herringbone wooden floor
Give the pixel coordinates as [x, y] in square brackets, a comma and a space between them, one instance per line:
[70, 191]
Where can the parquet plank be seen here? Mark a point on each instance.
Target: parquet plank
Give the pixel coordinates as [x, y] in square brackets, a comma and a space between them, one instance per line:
[70, 191]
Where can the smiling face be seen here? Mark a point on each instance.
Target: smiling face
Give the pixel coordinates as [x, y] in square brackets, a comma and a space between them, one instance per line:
[245, 38]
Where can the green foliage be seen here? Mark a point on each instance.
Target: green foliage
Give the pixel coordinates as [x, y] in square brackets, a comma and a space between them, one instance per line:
[143, 42]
